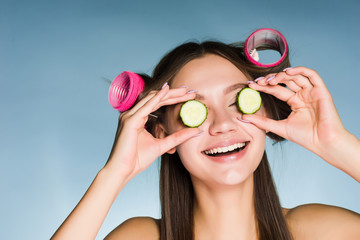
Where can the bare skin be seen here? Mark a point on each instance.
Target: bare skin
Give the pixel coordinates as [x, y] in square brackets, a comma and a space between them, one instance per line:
[218, 186]
[312, 221]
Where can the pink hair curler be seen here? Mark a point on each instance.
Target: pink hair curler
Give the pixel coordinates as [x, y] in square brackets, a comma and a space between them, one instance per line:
[265, 37]
[124, 90]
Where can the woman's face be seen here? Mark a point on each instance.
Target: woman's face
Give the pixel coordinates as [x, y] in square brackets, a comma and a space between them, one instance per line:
[217, 82]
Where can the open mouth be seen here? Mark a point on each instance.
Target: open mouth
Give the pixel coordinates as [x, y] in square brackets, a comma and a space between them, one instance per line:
[223, 151]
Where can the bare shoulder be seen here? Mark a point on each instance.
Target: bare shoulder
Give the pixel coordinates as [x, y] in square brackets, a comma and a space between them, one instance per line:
[319, 221]
[146, 228]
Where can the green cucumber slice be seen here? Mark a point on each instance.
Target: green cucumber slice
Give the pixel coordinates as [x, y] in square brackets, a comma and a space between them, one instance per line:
[249, 100]
[193, 113]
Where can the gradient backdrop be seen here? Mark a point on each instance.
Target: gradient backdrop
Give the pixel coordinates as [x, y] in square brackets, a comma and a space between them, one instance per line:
[57, 128]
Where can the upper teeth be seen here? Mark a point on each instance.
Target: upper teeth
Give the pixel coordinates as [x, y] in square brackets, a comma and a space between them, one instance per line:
[224, 149]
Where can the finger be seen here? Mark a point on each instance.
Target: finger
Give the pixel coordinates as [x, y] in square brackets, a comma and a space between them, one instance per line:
[267, 124]
[156, 102]
[177, 138]
[172, 93]
[142, 102]
[277, 91]
[271, 79]
[146, 107]
[263, 81]
[176, 100]
[175, 92]
[310, 74]
[295, 83]
[292, 85]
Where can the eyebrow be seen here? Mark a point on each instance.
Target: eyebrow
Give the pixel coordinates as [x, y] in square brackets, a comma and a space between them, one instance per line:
[227, 90]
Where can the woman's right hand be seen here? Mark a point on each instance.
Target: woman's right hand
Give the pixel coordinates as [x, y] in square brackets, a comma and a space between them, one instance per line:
[134, 147]
[133, 151]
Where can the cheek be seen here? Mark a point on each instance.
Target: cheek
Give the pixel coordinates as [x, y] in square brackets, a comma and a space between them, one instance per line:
[190, 148]
[188, 154]
[260, 137]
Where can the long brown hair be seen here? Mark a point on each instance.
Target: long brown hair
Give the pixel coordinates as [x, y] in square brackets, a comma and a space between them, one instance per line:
[176, 189]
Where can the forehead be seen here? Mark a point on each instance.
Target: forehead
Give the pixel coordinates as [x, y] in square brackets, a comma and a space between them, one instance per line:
[208, 71]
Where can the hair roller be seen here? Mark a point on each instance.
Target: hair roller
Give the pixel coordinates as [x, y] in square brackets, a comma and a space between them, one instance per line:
[124, 90]
[265, 37]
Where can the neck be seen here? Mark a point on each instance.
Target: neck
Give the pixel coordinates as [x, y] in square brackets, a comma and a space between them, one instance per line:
[224, 213]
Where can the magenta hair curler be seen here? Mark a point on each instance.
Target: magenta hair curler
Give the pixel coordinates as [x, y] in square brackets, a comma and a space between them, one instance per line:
[265, 37]
[124, 90]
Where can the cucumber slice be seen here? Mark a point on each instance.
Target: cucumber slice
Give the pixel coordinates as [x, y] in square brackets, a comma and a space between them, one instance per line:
[249, 100]
[193, 113]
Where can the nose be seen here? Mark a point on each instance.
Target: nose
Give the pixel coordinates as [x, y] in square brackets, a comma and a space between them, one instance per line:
[221, 121]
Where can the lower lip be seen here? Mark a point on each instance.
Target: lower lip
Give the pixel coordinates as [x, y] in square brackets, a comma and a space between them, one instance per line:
[229, 158]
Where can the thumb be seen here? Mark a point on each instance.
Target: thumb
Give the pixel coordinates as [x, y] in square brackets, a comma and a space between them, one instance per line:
[267, 124]
[177, 138]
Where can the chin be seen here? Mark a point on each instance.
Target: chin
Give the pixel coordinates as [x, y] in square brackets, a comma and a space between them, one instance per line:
[233, 177]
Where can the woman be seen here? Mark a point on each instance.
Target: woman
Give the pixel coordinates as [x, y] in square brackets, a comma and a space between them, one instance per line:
[230, 194]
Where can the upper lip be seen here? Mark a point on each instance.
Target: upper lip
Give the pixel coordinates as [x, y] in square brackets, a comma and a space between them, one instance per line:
[225, 144]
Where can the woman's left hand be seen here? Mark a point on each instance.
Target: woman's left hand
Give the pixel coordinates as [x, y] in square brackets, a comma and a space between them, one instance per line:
[314, 122]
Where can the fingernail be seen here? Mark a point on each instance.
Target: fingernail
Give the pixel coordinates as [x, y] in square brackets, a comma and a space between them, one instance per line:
[287, 69]
[259, 78]
[242, 120]
[198, 134]
[251, 82]
[165, 84]
[191, 91]
[270, 78]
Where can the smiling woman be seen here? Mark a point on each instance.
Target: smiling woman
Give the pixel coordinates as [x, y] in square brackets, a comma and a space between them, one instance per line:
[217, 72]
[215, 180]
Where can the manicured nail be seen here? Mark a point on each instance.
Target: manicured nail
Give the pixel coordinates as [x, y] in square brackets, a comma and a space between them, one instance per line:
[242, 120]
[259, 78]
[270, 78]
[165, 84]
[191, 91]
[287, 69]
[198, 134]
[251, 82]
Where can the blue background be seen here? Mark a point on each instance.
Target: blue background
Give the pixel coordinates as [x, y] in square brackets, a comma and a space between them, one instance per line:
[57, 128]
